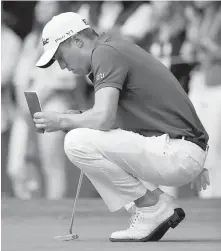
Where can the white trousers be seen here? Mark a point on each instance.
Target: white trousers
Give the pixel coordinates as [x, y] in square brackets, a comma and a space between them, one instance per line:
[122, 165]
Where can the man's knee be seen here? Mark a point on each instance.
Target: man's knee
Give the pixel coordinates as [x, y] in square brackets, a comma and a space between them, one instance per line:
[74, 138]
[78, 140]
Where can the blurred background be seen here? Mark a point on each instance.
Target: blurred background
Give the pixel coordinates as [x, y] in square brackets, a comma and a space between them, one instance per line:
[185, 36]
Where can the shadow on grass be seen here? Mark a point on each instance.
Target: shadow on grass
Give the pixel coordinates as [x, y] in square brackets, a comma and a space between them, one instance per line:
[193, 240]
[106, 240]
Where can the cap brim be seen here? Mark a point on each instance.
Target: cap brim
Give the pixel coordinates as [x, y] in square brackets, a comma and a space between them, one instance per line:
[46, 59]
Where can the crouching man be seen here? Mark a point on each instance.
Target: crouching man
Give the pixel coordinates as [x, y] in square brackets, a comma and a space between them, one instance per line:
[159, 140]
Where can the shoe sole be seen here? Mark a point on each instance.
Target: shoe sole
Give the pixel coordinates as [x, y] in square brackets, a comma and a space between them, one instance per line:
[177, 217]
[160, 231]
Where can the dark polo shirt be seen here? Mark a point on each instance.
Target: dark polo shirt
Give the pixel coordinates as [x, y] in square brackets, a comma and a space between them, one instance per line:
[152, 101]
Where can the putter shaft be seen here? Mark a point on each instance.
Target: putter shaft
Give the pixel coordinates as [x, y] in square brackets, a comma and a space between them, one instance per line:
[75, 201]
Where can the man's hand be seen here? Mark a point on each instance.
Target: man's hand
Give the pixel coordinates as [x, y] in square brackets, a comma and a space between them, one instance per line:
[49, 121]
[72, 112]
[201, 181]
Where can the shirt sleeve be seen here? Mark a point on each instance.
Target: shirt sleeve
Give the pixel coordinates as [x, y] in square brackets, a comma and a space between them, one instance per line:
[109, 68]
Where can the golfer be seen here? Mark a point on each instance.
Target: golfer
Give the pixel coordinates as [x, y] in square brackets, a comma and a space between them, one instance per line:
[142, 131]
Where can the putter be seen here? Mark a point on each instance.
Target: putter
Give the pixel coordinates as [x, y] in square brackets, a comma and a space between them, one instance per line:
[72, 236]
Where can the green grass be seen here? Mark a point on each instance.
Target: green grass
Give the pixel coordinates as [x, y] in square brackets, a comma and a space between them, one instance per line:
[31, 225]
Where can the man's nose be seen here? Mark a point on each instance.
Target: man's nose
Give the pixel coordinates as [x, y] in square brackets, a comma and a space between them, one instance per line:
[62, 65]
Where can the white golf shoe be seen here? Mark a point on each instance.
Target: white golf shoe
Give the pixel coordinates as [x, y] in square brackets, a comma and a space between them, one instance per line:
[150, 223]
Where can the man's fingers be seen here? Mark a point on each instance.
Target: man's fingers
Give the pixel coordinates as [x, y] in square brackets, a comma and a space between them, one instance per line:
[38, 115]
[203, 183]
[39, 121]
[206, 177]
[198, 185]
[72, 112]
[39, 130]
[40, 126]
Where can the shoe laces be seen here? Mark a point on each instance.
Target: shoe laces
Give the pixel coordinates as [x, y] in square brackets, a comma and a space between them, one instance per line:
[134, 219]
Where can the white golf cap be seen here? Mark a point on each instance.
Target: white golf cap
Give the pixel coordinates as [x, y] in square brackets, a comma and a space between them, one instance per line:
[56, 31]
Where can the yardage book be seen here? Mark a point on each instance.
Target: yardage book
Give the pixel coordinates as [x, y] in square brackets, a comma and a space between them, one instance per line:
[33, 105]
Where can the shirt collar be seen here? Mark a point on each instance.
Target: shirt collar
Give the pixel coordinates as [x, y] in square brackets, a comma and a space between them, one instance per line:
[91, 76]
[104, 37]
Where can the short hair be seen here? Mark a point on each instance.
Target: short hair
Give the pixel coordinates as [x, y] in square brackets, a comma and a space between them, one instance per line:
[88, 33]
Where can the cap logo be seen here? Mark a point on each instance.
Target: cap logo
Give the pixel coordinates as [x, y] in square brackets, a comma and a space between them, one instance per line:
[59, 38]
[62, 37]
[85, 21]
[45, 41]
[69, 32]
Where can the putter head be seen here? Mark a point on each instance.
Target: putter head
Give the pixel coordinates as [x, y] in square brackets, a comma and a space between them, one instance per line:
[67, 237]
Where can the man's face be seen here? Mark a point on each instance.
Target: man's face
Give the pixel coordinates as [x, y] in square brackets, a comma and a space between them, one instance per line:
[74, 56]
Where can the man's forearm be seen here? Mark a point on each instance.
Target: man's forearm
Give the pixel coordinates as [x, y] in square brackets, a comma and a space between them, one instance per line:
[90, 119]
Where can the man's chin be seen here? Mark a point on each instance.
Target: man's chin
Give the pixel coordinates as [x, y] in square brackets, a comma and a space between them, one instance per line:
[79, 73]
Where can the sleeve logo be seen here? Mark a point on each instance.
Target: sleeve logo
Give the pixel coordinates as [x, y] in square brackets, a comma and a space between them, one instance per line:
[100, 76]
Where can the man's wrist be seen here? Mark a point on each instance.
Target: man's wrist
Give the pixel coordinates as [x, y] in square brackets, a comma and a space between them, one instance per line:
[72, 112]
[65, 120]
[61, 121]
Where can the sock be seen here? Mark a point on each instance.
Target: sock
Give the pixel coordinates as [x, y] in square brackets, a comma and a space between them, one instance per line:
[153, 208]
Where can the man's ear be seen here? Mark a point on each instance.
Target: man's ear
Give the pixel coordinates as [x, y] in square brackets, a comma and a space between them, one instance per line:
[78, 41]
